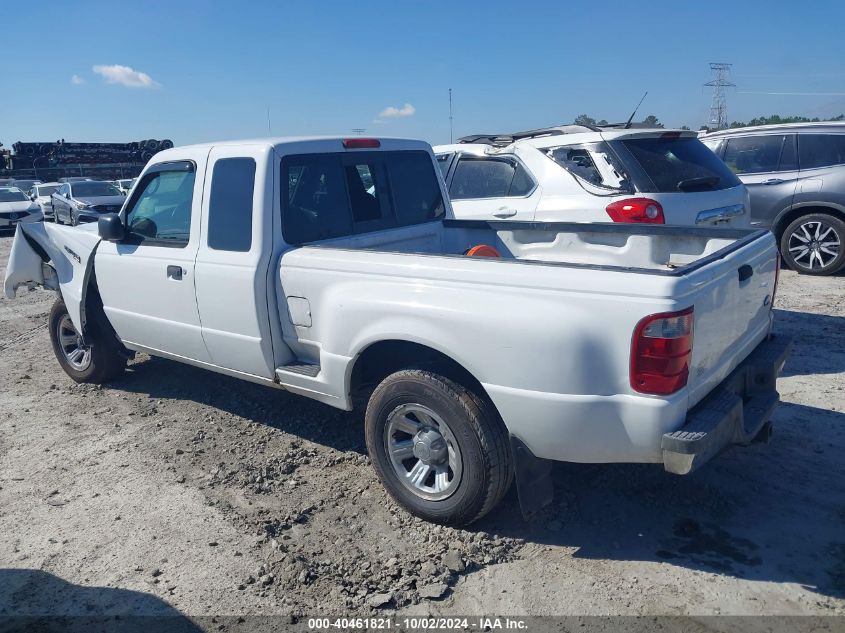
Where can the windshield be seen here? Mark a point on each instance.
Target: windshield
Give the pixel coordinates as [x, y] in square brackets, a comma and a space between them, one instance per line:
[671, 164]
[24, 185]
[45, 190]
[12, 195]
[94, 189]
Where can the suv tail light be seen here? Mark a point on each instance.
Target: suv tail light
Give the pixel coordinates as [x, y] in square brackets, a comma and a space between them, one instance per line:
[639, 210]
[661, 352]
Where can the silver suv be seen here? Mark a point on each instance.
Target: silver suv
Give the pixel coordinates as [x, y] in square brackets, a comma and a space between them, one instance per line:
[795, 174]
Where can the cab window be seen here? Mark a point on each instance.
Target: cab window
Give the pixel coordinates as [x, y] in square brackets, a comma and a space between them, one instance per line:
[161, 209]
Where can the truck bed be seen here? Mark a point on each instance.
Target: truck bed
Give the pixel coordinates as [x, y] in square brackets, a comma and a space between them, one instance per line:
[656, 249]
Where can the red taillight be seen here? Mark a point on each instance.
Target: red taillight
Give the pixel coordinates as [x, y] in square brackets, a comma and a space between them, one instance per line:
[639, 210]
[777, 278]
[361, 143]
[661, 352]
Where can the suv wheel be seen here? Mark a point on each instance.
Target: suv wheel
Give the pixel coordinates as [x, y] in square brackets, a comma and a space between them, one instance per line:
[814, 244]
[441, 451]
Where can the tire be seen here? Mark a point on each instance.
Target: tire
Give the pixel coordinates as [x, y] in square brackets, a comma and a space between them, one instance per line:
[825, 236]
[477, 461]
[100, 362]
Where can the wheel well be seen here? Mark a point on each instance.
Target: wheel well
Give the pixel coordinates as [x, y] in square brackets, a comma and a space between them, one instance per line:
[796, 213]
[381, 359]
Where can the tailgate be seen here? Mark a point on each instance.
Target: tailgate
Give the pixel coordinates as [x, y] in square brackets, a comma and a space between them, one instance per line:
[732, 298]
[725, 207]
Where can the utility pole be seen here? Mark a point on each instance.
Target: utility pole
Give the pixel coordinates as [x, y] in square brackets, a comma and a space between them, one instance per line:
[269, 129]
[719, 107]
[450, 116]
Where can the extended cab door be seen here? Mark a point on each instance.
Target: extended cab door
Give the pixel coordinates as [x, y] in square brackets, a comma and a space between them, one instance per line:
[767, 165]
[147, 280]
[233, 261]
[492, 188]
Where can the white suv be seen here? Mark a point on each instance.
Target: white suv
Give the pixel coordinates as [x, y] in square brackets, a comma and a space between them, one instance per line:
[578, 174]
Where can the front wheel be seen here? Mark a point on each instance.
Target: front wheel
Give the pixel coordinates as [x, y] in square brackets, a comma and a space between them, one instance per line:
[96, 360]
[440, 450]
[813, 244]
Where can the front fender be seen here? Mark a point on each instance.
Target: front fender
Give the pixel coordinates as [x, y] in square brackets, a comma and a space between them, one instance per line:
[68, 250]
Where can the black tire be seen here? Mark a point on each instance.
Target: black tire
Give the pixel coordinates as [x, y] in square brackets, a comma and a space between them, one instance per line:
[807, 263]
[475, 427]
[106, 361]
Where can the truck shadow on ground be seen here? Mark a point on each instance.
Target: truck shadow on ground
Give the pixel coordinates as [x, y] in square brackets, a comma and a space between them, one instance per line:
[818, 342]
[32, 600]
[765, 512]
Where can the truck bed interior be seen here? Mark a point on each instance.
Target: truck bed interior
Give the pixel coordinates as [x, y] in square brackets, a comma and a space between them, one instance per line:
[650, 247]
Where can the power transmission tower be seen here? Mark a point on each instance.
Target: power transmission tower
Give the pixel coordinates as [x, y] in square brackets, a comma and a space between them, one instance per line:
[719, 107]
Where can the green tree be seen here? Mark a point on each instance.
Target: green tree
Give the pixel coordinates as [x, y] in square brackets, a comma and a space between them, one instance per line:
[583, 119]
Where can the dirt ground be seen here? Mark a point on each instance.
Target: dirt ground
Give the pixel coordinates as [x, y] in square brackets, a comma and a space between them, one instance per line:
[176, 490]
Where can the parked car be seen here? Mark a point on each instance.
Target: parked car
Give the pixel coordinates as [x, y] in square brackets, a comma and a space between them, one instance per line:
[795, 174]
[24, 184]
[347, 297]
[578, 174]
[41, 194]
[125, 185]
[16, 207]
[74, 179]
[84, 201]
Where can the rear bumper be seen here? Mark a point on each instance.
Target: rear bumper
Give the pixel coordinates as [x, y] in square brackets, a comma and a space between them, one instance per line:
[738, 411]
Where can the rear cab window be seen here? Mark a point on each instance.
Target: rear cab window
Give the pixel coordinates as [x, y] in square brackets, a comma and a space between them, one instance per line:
[230, 205]
[338, 194]
[669, 164]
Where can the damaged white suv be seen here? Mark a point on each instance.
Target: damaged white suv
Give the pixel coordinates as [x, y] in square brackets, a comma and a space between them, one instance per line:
[575, 173]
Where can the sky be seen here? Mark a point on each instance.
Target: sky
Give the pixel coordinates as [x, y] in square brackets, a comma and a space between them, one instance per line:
[196, 71]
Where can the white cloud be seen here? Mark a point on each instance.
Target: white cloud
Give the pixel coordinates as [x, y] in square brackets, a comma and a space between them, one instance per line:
[392, 112]
[76, 80]
[125, 76]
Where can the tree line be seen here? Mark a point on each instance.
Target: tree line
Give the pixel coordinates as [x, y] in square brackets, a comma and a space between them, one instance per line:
[652, 121]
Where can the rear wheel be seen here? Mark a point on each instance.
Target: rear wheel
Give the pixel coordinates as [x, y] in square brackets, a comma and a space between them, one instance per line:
[97, 359]
[440, 450]
[814, 244]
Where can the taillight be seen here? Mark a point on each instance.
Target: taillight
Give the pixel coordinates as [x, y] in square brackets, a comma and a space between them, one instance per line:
[361, 143]
[661, 352]
[639, 210]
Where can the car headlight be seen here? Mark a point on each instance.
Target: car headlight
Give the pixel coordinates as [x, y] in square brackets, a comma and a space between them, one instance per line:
[82, 205]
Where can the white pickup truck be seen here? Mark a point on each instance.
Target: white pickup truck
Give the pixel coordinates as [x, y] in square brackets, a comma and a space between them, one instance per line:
[331, 268]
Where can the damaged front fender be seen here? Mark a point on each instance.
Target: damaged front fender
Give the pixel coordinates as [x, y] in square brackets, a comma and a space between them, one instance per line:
[55, 257]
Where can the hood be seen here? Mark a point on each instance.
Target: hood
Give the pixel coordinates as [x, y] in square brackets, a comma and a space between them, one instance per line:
[98, 201]
[68, 250]
[13, 207]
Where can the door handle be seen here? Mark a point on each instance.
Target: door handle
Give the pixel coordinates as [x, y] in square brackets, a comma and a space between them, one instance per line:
[773, 181]
[175, 273]
[503, 212]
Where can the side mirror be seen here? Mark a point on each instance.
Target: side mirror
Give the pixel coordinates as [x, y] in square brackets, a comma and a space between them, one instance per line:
[67, 195]
[110, 227]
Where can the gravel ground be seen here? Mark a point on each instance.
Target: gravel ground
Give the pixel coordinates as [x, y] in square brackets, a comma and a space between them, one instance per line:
[179, 490]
